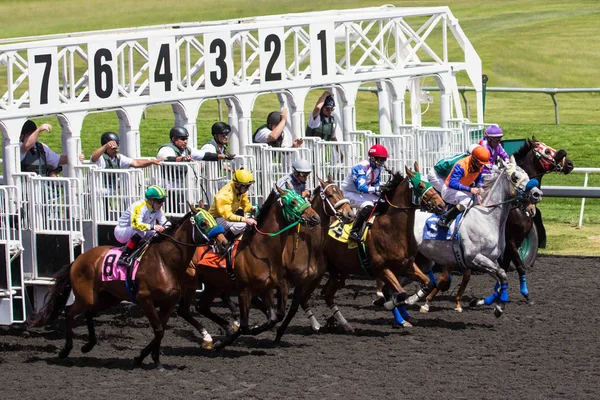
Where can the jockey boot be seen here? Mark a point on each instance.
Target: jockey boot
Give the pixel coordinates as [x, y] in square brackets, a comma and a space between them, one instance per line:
[447, 218]
[231, 237]
[125, 260]
[357, 229]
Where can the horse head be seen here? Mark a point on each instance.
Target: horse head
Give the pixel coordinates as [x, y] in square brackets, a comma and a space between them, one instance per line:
[334, 201]
[550, 159]
[295, 207]
[520, 185]
[423, 192]
[211, 233]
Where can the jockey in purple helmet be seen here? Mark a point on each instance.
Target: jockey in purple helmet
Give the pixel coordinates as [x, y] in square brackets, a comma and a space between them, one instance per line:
[491, 141]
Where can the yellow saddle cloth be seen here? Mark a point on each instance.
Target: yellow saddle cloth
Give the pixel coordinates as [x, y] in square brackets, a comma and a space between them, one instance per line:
[340, 232]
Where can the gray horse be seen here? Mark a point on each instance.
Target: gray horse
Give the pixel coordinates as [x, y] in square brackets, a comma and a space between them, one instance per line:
[481, 230]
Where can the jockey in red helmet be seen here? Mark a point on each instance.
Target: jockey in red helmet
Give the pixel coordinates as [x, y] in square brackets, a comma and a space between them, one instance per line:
[361, 187]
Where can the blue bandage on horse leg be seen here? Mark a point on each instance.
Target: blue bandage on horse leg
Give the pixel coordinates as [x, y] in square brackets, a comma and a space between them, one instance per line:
[397, 316]
[431, 277]
[504, 293]
[403, 312]
[524, 290]
[491, 299]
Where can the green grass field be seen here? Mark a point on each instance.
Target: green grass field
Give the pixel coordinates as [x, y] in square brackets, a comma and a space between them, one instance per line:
[522, 43]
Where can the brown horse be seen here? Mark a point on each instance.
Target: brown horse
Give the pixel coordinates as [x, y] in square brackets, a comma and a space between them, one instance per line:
[259, 266]
[390, 244]
[304, 254]
[161, 270]
[536, 159]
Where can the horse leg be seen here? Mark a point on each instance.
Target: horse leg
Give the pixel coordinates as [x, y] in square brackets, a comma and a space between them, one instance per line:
[204, 308]
[442, 285]
[244, 299]
[147, 305]
[415, 273]
[71, 312]
[166, 310]
[310, 288]
[492, 268]
[380, 300]
[104, 301]
[513, 251]
[396, 303]
[184, 311]
[272, 318]
[235, 312]
[334, 283]
[461, 290]
[290, 315]
[282, 297]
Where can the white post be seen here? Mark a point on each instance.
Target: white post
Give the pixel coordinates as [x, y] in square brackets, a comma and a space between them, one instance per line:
[129, 130]
[383, 101]
[585, 183]
[71, 124]
[232, 120]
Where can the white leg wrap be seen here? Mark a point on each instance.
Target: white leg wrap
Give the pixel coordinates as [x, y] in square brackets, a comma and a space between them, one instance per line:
[314, 324]
[415, 297]
[338, 315]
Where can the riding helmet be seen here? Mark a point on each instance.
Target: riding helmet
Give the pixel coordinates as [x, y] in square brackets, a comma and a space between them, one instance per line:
[481, 154]
[378, 150]
[220, 128]
[243, 176]
[109, 137]
[155, 192]
[178, 131]
[302, 165]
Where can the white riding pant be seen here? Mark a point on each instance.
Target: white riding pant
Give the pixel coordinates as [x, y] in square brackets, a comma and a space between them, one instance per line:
[361, 200]
[436, 180]
[123, 234]
[235, 227]
[453, 196]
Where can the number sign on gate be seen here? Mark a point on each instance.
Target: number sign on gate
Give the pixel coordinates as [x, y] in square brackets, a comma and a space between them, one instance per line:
[272, 57]
[102, 67]
[161, 57]
[43, 78]
[218, 64]
[322, 52]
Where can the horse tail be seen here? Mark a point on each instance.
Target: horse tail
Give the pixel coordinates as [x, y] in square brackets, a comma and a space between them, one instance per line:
[59, 294]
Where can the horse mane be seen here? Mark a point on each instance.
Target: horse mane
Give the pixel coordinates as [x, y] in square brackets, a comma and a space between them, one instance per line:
[263, 212]
[175, 223]
[489, 180]
[391, 185]
[521, 153]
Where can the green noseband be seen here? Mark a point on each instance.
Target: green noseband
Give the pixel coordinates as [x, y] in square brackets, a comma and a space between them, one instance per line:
[417, 193]
[291, 212]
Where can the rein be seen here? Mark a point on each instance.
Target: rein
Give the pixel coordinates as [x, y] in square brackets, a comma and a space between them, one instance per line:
[335, 206]
[277, 233]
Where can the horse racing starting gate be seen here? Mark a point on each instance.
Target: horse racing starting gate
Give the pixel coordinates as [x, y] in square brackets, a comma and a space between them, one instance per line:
[46, 222]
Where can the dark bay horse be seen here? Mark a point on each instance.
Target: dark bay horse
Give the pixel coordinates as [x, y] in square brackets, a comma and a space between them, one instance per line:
[390, 243]
[304, 254]
[161, 270]
[536, 159]
[259, 266]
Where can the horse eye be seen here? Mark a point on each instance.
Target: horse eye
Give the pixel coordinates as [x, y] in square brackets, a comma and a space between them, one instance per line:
[547, 151]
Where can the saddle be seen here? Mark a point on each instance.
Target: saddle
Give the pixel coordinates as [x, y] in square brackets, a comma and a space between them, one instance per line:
[209, 259]
[340, 232]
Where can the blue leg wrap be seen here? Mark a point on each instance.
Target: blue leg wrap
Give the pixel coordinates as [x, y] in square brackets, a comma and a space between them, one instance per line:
[491, 299]
[403, 312]
[524, 290]
[450, 278]
[397, 316]
[504, 293]
[431, 277]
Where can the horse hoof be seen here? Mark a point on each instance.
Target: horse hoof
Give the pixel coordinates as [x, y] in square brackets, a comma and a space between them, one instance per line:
[160, 368]
[407, 324]
[207, 344]
[498, 312]
[424, 308]
[458, 309]
[136, 362]
[379, 302]
[474, 302]
[348, 329]
[86, 348]
[235, 325]
[64, 353]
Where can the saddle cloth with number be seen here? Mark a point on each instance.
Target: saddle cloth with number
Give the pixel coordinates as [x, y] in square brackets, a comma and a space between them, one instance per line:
[111, 271]
[434, 232]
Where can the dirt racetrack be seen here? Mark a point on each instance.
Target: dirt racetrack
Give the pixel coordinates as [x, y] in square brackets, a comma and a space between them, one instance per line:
[546, 350]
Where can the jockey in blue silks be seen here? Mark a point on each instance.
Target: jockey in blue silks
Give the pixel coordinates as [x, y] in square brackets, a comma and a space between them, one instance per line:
[491, 141]
[361, 187]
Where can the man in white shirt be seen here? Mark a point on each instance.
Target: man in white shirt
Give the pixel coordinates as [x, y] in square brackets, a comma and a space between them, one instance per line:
[36, 156]
[177, 149]
[273, 132]
[107, 156]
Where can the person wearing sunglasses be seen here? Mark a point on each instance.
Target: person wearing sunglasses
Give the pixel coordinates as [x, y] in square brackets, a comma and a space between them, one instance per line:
[231, 205]
[178, 151]
[107, 156]
[321, 122]
[361, 187]
[491, 141]
[140, 222]
[301, 169]
[218, 144]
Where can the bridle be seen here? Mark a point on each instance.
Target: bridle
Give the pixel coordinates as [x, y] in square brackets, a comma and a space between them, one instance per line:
[417, 198]
[545, 155]
[334, 207]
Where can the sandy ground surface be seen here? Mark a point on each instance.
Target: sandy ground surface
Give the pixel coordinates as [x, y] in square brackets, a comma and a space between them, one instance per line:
[546, 350]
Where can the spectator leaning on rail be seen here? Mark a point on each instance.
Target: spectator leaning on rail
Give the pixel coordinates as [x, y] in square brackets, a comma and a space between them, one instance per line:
[36, 156]
[177, 150]
[107, 155]
[321, 122]
[140, 222]
[273, 132]
[301, 169]
[462, 183]
[491, 141]
[361, 187]
[231, 204]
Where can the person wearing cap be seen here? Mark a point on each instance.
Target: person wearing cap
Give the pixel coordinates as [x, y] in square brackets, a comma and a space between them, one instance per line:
[107, 156]
[218, 144]
[440, 171]
[362, 187]
[491, 141]
[321, 122]
[231, 201]
[301, 169]
[462, 183]
[177, 151]
[36, 156]
[273, 132]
